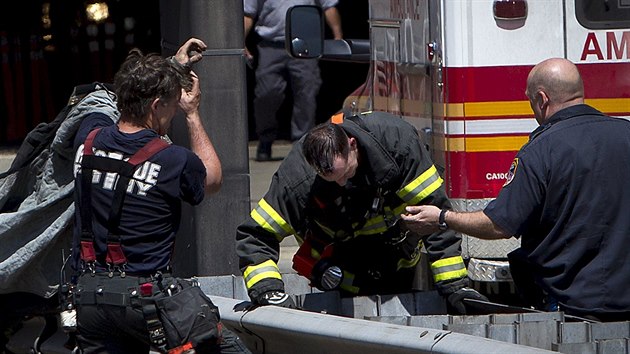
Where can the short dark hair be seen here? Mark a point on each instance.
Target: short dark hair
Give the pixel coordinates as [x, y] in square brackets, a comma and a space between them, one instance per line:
[322, 144]
[143, 78]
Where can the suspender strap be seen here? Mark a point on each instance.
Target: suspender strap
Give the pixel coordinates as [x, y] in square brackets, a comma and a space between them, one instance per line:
[125, 171]
[88, 254]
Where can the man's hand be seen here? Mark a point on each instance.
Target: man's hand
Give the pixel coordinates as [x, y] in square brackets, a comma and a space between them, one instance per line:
[277, 298]
[249, 57]
[190, 52]
[456, 299]
[190, 99]
[200, 143]
[422, 219]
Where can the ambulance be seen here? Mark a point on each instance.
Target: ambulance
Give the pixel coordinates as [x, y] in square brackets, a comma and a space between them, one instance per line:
[456, 69]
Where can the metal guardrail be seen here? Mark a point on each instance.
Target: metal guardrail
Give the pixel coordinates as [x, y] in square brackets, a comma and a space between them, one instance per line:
[402, 323]
[276, 330]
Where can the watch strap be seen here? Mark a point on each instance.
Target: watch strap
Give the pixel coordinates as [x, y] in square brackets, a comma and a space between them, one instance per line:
[442, 220]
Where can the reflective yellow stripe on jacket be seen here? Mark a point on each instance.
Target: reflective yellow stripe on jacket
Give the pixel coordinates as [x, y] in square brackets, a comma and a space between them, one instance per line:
[448, 269]
[255, 273]
[418, 189]
[414, 192]
[421, 187]
[411, 194]
[270, 220]
[410, 263]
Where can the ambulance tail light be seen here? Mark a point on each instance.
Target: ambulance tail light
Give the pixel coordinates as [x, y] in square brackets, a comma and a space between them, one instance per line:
[510, 9]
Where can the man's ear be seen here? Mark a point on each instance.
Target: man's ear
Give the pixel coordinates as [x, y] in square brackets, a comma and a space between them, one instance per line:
[156, 103]
[352, 142]
[542, 100]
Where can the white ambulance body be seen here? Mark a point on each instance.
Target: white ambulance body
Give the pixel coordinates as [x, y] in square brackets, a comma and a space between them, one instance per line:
[457, 70]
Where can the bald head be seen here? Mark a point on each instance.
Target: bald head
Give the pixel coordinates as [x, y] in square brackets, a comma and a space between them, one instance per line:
[558, 83]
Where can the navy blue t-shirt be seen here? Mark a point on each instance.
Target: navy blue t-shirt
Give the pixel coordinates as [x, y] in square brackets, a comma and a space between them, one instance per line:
[152, 206]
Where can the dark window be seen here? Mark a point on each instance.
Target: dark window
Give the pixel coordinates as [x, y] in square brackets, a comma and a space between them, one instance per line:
[603, 14]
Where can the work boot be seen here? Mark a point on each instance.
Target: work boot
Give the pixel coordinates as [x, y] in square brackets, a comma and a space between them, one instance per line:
[263, 152]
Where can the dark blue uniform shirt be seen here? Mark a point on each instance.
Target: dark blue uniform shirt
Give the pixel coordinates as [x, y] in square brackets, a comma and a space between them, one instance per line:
[152, 207]
[569, 200]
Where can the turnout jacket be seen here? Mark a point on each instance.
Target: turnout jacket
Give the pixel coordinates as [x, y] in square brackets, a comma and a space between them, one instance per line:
[360, 218]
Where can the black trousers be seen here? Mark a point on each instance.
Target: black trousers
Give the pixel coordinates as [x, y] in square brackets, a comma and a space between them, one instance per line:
[276, 70]
[112, 324]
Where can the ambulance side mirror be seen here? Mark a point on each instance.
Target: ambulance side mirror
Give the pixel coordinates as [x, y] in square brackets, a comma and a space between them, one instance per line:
[304, 32]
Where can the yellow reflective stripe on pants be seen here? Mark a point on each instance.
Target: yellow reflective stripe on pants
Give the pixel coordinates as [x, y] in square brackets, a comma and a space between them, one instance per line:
[254, 274]
[449, 268]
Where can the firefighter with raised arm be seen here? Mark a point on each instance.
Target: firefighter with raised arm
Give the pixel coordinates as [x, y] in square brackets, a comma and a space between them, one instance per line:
[341, 191]
[130, 183]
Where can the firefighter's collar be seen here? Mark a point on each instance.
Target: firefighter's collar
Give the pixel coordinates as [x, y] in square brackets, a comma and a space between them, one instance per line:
[372, 153]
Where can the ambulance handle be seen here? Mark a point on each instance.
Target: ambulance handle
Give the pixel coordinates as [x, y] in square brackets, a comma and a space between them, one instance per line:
[435, 57]
[440, 82]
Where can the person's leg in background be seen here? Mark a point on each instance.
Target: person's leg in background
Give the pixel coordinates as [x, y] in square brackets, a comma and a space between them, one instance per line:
[269, 95]
[305, 83]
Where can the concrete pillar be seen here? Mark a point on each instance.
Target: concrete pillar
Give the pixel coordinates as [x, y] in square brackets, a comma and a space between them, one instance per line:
[205, 244]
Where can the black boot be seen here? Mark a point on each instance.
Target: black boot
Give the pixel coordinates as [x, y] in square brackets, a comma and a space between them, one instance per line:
[263, 152]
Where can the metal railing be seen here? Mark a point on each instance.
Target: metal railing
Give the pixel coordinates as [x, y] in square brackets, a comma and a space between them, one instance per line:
[272, 330]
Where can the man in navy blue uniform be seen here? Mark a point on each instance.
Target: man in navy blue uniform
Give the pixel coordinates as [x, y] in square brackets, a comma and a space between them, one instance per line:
[149, 92]
[566, 198]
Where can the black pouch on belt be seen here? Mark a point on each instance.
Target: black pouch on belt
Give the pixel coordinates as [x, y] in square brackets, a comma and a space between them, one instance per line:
[188, 316]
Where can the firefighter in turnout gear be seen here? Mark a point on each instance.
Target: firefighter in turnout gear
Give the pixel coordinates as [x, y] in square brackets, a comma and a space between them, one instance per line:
[340, 192]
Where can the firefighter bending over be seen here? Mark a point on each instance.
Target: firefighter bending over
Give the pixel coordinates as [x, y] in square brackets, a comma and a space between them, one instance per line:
[341, 191]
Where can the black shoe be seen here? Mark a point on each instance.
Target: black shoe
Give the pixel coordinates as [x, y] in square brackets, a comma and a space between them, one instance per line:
[263, 152]
[263, 156]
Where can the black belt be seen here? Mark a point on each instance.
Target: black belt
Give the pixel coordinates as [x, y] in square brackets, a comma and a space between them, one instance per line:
[273, 44]
[116, 291]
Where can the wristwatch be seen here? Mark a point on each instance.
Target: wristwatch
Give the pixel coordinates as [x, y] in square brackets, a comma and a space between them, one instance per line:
[442, 220]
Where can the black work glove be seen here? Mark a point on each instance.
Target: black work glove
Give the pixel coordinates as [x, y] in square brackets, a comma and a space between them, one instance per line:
[276, 297]
[456, 298]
